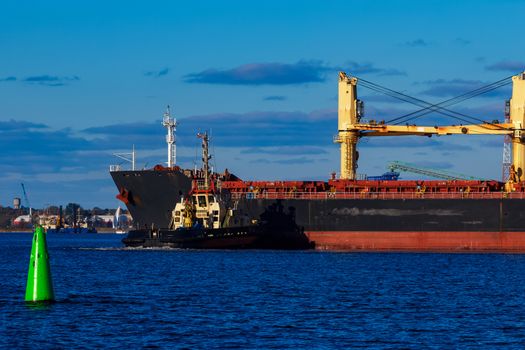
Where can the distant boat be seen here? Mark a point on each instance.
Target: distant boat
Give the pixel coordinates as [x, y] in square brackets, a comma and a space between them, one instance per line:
[120, 231]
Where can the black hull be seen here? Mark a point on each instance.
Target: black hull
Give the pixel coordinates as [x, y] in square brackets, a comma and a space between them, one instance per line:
[249, 237]
[415, 215]
[152, 194]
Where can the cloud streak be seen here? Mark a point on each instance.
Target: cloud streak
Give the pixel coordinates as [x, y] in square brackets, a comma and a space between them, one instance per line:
[455, 87]
[274, 98]
[254, 129]
[416, 43]
[434, 165]
[462, 42]
[369, 68]
[289, 150]
[50, 80]
[273, 73]
[19, 125]
[157, 73]
[507, 66]
[413, 142]
[291, 161]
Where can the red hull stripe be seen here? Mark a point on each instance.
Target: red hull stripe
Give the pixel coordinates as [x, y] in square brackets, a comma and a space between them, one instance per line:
[418, 241]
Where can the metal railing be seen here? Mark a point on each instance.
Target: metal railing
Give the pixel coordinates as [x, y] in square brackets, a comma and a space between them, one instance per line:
[379, 195]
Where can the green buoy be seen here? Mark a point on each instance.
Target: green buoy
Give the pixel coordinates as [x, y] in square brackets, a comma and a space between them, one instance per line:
[39, 284]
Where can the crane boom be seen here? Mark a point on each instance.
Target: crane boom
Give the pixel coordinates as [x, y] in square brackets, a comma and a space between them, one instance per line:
[400, 130]
[27, 200]
[440, 174]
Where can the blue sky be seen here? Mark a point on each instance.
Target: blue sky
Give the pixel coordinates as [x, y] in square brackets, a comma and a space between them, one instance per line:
[82, 80]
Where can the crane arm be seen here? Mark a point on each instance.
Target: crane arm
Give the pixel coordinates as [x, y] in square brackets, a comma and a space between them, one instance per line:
[440, 174]
[27, 200]
[400, 130]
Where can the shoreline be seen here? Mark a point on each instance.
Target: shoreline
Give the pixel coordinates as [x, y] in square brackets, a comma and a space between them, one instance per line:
[102, 230]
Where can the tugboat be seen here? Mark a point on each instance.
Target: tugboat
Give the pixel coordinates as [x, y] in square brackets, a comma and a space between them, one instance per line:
[208, 218]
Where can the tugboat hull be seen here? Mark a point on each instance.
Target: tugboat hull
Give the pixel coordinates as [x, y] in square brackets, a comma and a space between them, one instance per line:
[247, 237]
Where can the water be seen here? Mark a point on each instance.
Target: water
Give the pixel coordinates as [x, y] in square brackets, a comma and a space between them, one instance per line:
[112, 297]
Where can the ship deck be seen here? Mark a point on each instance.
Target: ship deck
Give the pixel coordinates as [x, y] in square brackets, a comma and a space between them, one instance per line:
[378, 195]
[366, 189]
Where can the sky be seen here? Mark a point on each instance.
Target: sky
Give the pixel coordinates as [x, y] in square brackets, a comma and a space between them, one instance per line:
[83, 80]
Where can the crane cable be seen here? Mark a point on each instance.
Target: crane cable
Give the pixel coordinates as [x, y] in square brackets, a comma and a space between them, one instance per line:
[428, 105]
[439, 107]
[456, 100]
[442, 111]
[433, 107]
[411, 100]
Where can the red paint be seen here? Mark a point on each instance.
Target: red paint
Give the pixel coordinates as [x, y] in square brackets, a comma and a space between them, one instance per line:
[418, 241]
[123, 196]
[367, 189]
[359, 186]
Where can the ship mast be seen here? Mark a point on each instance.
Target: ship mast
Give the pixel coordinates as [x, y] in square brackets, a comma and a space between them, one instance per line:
[205, 158]
[170, 124]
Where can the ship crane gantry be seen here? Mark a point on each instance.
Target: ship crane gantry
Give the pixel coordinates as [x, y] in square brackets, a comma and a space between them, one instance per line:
[351, 128]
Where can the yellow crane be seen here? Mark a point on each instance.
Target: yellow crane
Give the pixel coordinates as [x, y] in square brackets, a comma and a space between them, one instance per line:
[351, 129]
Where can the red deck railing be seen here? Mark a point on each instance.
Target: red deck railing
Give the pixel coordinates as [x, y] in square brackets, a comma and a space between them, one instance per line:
[378, 195]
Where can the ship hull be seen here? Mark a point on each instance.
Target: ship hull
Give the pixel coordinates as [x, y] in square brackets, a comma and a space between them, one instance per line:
[403, 215]
[407, 225]
[431, 241]
[360, 224]
[151, 195]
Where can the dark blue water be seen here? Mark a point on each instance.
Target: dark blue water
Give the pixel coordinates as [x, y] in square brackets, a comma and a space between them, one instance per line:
[116, 298]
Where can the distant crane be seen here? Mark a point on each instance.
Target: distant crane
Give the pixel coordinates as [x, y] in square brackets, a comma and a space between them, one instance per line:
[439, 174]
[27, 200]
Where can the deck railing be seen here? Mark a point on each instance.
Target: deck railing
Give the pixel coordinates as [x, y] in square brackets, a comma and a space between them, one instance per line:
[379, 195]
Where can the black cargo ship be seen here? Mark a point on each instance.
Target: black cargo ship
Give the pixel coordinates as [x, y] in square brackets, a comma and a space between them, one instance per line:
[351, 214]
